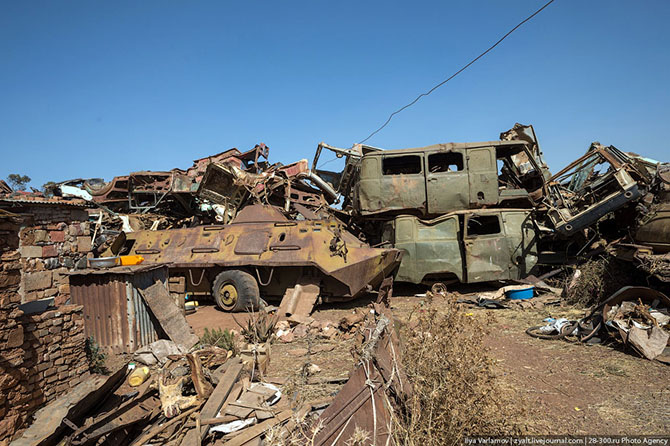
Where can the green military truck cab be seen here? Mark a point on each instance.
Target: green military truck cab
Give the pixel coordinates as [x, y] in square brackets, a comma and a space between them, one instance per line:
[468, 246]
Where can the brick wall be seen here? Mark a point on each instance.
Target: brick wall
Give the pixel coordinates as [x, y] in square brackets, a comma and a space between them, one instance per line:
[41, 357]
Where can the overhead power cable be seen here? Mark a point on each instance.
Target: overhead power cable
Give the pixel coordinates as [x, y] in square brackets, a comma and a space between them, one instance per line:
[456, 73]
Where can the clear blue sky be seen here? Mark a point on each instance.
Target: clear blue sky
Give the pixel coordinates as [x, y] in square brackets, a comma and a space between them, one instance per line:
[97, 89]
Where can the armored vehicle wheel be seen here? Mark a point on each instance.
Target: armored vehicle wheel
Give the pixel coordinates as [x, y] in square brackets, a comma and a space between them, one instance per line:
[236, 290]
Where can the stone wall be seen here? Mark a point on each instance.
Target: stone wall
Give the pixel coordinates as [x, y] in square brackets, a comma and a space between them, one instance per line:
[53, 239]
[42, 356]
[10, 261]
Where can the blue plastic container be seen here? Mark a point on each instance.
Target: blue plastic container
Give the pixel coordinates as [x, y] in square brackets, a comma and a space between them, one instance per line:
[524, 294]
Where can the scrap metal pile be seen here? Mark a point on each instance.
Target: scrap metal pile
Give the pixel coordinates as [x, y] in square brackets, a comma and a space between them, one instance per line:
[465, 212]
[242, 232]
[636, 317]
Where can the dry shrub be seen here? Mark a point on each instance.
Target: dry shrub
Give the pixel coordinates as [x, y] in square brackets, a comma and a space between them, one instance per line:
[297, 432]
[599, 278]
[589, 288]
[456, 392]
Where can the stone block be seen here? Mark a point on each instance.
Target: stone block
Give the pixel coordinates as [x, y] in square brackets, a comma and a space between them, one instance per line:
[41, 236]
[31, 251]
[83, 244]
[75, 229]
[49, 251]
[57, 236]
[9, 278]
[37, 281]
[15, 338]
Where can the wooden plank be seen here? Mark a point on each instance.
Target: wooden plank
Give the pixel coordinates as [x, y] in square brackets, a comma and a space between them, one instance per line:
[246, 404]
[160, 428]
[169, 316]
[202, 386]
[258, 430]
[215, 401]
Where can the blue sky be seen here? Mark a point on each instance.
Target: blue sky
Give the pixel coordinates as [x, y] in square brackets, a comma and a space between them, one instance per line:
[97, 89]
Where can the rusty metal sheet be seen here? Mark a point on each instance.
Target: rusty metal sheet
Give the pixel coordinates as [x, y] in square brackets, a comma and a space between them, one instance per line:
[655, 232]
[115, 314]
[353, 408]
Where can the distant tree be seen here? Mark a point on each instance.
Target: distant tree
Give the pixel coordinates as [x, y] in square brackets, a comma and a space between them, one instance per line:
[18, 181]
[48, 188]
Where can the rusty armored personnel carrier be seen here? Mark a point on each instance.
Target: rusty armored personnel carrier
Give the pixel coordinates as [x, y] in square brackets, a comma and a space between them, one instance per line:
[262, 253]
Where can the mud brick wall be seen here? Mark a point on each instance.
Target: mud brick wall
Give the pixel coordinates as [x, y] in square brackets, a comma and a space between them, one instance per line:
[53, 240]
[42, 356]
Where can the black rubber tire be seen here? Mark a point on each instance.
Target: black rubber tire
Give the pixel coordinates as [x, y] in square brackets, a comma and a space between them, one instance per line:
[248, 294]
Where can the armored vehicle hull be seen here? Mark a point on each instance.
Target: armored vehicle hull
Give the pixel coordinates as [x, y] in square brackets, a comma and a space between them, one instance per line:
[262, 254]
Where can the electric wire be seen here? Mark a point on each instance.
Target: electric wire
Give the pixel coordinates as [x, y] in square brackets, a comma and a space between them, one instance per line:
[456, 73]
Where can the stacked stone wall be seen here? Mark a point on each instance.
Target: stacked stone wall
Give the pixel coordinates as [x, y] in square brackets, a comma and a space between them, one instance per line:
[42, 356]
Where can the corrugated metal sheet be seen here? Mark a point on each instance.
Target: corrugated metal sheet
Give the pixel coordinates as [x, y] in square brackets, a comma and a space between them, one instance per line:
[45, 201]
[115, 314]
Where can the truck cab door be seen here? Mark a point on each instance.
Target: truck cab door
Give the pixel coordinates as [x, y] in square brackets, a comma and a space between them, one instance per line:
[446, 182]
[401, 184]
[487, 253]
[483, 176]
[522, 239]
[438, 248]
[402, 234]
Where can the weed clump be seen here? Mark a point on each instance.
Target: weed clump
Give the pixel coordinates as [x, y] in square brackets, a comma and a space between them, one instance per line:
[260, 327]
[95, 357]
[216, 337]
[456, 392]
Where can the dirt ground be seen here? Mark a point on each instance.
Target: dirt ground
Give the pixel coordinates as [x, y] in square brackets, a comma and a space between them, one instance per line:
[564, 388]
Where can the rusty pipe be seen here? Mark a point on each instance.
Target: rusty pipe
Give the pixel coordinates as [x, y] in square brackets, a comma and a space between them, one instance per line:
[320, 182]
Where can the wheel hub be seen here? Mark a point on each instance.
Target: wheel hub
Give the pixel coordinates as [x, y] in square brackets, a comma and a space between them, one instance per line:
[228, 294]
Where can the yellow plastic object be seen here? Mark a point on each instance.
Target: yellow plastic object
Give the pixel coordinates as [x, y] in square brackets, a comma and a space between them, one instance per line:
[138, 376]
[131, 260]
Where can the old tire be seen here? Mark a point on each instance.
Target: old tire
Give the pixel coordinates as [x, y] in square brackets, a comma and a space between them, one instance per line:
[236, 290]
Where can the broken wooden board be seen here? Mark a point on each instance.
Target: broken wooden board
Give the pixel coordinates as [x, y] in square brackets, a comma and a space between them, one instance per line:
[246, 404]
[215, 401]
[299, 300]
[144, 406]
[258, 430]
[169, 315]
[48, 426]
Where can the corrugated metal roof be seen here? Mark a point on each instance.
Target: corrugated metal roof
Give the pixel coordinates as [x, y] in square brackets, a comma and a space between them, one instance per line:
[46, 201]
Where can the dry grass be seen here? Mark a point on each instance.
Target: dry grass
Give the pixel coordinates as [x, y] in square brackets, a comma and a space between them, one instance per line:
[456, 391]
[589, 288]
[599, 279]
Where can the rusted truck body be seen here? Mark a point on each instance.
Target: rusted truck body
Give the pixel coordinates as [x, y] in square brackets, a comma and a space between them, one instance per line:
[467, 246]
[261, 254]
[457, 211]
[443, 178]
[602, 181]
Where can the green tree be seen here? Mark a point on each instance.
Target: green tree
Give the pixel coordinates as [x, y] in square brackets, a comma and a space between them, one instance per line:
[48, 188]
[18, 181]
